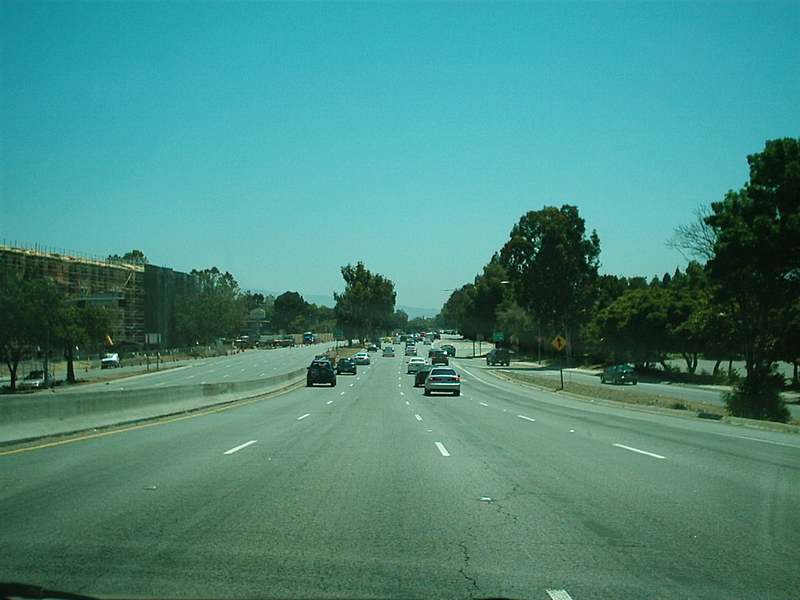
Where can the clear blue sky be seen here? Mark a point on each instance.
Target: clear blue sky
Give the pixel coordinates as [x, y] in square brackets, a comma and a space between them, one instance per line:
[280, 141]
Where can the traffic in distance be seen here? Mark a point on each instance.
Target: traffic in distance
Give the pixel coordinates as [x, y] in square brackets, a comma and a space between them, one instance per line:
[440, 379]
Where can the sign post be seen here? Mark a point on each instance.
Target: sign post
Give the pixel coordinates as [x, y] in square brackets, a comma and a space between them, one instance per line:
[559, 343]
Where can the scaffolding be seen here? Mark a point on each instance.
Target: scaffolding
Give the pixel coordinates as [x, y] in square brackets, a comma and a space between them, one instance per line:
[116, 285]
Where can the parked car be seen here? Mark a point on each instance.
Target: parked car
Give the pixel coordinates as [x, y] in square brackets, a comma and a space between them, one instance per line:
[320, 371]
[619, 374]
[443, 379]
[36, 380]
[422, 374]
[498, 356]
[346, 365]
[439, 357]
[450, 349]
[110, 361]
[414, 364]
[361, 358]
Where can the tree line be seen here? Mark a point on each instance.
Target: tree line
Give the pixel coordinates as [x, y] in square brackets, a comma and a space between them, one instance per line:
[738, 298]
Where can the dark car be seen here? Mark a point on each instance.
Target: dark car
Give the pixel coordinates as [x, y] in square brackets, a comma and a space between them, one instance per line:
[346, 365]
[422, 374]
[619, 374]
[321, 371]
[450, 349]
[439, 357]
[498, 356]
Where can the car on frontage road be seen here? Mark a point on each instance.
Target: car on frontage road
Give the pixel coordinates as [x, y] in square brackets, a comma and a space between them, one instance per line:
[36, 380]
[619, 374]
[498, 356]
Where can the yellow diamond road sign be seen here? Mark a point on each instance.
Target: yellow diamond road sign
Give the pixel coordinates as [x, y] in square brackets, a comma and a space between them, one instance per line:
[559, 343]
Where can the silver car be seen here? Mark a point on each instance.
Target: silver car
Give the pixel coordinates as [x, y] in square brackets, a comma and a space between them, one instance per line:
[443, 379]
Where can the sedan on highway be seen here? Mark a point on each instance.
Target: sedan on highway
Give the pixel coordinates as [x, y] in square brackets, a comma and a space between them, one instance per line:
[346, 365]
[361, 358]
[414, 364]
[388, 351]
[443, 379]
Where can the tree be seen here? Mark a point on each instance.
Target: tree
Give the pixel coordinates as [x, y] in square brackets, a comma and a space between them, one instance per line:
[635, 327]
[367, 303]
[552, 265]
[457, 312]
[134, 257]
[291, 313]
[29, 314]
[78, 326]
[214, 311]
[756, 268]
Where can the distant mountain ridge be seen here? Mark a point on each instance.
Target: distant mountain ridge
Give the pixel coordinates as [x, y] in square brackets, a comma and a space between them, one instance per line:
[413, 312]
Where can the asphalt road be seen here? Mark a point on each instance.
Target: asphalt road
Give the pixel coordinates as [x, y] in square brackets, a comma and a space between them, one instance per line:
[694, 393]
[370, 489]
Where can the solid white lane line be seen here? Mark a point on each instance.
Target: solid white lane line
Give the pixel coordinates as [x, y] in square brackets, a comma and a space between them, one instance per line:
[418, 418]
[304, 416]
[639, 451]
[526, 418]
[558, 595]
[442, 449]
[752, 439]
[245, 445]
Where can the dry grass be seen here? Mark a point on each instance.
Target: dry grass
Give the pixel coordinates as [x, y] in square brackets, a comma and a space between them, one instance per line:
[625, 395]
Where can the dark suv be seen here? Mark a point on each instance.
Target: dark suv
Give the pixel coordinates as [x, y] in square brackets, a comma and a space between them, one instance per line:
[321, 371]
[439, 357]
[498, 356]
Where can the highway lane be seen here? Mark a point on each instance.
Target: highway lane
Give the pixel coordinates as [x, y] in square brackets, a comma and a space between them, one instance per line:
[251, 364]
[371, 489]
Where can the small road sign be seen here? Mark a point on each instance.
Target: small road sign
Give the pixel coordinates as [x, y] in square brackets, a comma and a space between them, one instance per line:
[559, 343]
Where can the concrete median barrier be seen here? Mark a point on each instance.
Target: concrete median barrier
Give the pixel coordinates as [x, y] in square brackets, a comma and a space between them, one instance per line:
[30, 416]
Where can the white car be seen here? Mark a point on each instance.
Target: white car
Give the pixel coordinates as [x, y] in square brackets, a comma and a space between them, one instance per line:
[414, 363]
[361, 358]
[443, 379]
[110, 361]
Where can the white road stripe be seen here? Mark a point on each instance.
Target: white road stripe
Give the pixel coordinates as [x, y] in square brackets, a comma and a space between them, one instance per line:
[245, 445]
[558, 595]
[639, 451]
[483, 403]
[304, 416]
[752, 439]
[526, 418]
[329, 402]
[442, 449]
[418, 418]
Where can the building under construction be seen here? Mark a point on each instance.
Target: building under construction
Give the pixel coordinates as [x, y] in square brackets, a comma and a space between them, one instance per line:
[139, 296]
